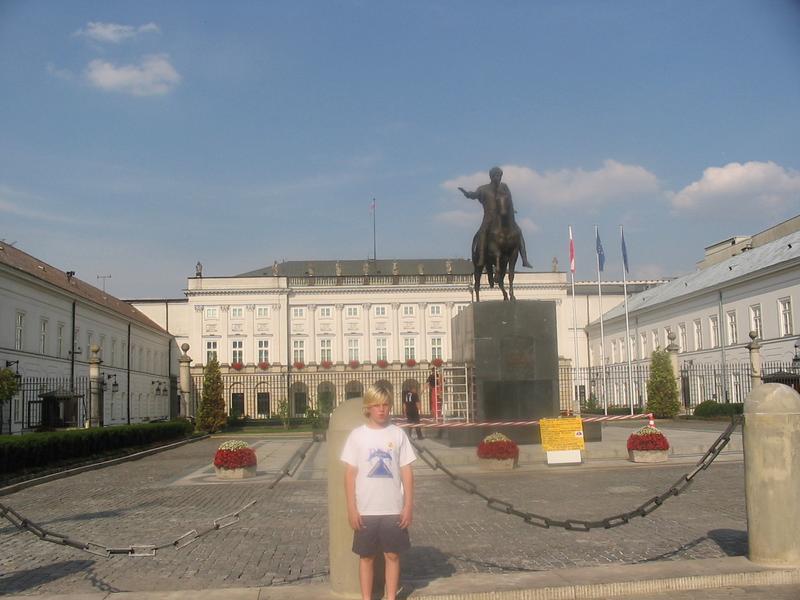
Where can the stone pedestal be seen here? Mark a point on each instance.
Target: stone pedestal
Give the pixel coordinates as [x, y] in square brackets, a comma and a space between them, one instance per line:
[648, 456]
[242, 473]
[494, 464]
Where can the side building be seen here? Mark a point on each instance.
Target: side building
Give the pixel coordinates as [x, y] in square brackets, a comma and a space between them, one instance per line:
[303, 330]
[744, 286]
[49, 321]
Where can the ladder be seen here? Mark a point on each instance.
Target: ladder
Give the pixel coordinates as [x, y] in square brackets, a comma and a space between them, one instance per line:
[456, 396]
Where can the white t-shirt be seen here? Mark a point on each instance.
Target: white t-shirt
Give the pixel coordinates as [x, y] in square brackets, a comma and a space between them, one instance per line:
[378, 455]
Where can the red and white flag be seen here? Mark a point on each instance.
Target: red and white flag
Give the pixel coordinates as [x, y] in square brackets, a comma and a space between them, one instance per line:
[571, 251]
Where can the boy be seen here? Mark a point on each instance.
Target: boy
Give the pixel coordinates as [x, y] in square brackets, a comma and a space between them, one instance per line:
[379, 487]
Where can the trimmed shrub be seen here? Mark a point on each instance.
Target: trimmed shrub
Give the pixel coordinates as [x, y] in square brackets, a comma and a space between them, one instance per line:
[22, 452]
[662, 389]
[211, 416]
[710, 408]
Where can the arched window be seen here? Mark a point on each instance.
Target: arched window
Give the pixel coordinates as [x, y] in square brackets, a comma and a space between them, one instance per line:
[299, 396]
[353, 389]
[326, 397]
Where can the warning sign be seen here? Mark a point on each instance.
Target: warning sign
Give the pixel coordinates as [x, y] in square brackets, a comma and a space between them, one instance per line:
[562, 434]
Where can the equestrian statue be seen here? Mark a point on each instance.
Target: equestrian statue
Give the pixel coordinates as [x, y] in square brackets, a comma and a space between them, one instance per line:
[499, 241]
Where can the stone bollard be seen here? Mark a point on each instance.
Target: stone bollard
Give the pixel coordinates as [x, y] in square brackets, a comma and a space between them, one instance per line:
[772, 474]
[343, 563]
[184, 361]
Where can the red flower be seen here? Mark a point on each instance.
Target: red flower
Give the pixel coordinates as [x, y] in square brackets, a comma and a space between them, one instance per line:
[235, 459]
[498, 450]
[410, 362]
[237, 366]
[437, 362]
[383, 363]
[651, 441]
[299, 365]
[263, 365]
[354, 364]
[326, 364]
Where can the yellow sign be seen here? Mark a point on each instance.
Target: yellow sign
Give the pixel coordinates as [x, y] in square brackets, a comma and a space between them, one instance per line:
[562, 434]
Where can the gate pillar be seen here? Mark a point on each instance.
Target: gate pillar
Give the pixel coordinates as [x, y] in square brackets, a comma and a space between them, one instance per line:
[772, 474]
[184, 360]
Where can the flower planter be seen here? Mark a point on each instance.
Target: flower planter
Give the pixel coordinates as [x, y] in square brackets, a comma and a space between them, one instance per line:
[242, 473]
[648, 456]
[498, 464]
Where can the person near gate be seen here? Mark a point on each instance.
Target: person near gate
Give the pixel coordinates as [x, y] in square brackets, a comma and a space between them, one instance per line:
[379, 487]
[411, 409]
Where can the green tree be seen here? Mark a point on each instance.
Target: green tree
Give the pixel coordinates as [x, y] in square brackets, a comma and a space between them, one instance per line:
[662, 390]
[283, 413]
[211, 416]
[9, 384]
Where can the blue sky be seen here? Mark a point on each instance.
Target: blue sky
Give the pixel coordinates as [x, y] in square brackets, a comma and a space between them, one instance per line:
[140, 137]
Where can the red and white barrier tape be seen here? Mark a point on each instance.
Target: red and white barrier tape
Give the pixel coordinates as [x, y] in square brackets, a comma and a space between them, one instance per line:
[430, 423]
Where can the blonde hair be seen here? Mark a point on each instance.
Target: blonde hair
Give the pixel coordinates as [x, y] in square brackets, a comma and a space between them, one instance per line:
[376, 394]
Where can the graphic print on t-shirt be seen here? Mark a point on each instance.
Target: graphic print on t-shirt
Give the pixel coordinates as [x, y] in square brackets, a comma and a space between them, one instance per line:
[379, 469]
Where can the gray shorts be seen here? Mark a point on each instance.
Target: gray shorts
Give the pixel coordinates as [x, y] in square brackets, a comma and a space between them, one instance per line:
[381, 533]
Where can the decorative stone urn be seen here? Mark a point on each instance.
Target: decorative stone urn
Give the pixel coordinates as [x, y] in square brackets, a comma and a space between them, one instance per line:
[648, 456]
[242, 473]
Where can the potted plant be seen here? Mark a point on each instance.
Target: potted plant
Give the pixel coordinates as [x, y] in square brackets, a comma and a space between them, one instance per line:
[237, 366]
[410, 362]
[648, 444]
[326, 364]
[299, 365]
[234, 459]
[437, 362]
[263, 365]
[382, 363]
[498, 452]
[353, 364]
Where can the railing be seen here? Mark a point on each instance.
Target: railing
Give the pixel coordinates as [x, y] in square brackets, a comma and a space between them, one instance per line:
[359, 280]
[28, 410]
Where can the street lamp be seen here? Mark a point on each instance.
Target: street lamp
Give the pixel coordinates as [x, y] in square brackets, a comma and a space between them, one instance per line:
[115, 385]
[796, 359]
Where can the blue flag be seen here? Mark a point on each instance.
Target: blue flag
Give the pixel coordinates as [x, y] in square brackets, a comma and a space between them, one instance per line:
[601, 256]
[624, 252]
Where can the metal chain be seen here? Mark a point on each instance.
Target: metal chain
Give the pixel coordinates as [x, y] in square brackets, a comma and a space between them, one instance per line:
[21, 522]
[642, 510]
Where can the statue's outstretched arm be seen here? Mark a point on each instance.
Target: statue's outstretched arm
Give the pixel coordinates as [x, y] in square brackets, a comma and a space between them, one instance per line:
[471, 195]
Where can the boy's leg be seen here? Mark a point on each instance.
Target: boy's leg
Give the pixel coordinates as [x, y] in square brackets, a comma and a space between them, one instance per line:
[365, 573]
[392, 574]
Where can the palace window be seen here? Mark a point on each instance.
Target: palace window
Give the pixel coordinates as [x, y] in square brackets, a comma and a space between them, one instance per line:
[380, 311]
[211, 350]
[408, 310]
[682, 343]
[298, 351]
[211, 312]
[409, 348]
[352, 311]
[755, 320]
[237, 312]
[436, 310]
[60, 340]
[43, 337]
[19, 332]
[654, 340]
[298, 312]
[381, 349]
[733, 332]
[436, 348]
[325, 312]
[237, 351]
[713, 326]
[262, 312]
[698, 334]
[263, 351]
[643, 344]
[785, 307]
[326, 349]
[352, 349]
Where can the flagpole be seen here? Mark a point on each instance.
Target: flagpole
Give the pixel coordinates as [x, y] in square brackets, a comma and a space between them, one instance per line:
[602, 333]
[374, 238]
[627, 322]
[574, 318]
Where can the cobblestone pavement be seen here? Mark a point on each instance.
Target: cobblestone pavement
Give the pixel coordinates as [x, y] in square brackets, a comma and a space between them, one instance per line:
[283, 538]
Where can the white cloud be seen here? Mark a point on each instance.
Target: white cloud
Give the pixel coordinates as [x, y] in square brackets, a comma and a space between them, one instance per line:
[613, 182]
[114, 33]
[752, 185]
[154, 75]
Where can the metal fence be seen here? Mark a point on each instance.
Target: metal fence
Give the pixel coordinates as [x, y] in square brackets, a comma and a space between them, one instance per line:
[47, 401]
[260, 395]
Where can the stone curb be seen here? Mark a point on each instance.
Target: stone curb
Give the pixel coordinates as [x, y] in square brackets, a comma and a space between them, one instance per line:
[627, 588]
[10, 489]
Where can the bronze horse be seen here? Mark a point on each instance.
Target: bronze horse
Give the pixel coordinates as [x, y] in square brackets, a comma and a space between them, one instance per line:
[502, 250]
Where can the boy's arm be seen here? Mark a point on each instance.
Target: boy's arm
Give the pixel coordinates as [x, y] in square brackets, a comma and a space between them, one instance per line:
[407, 476]
[350, 494]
